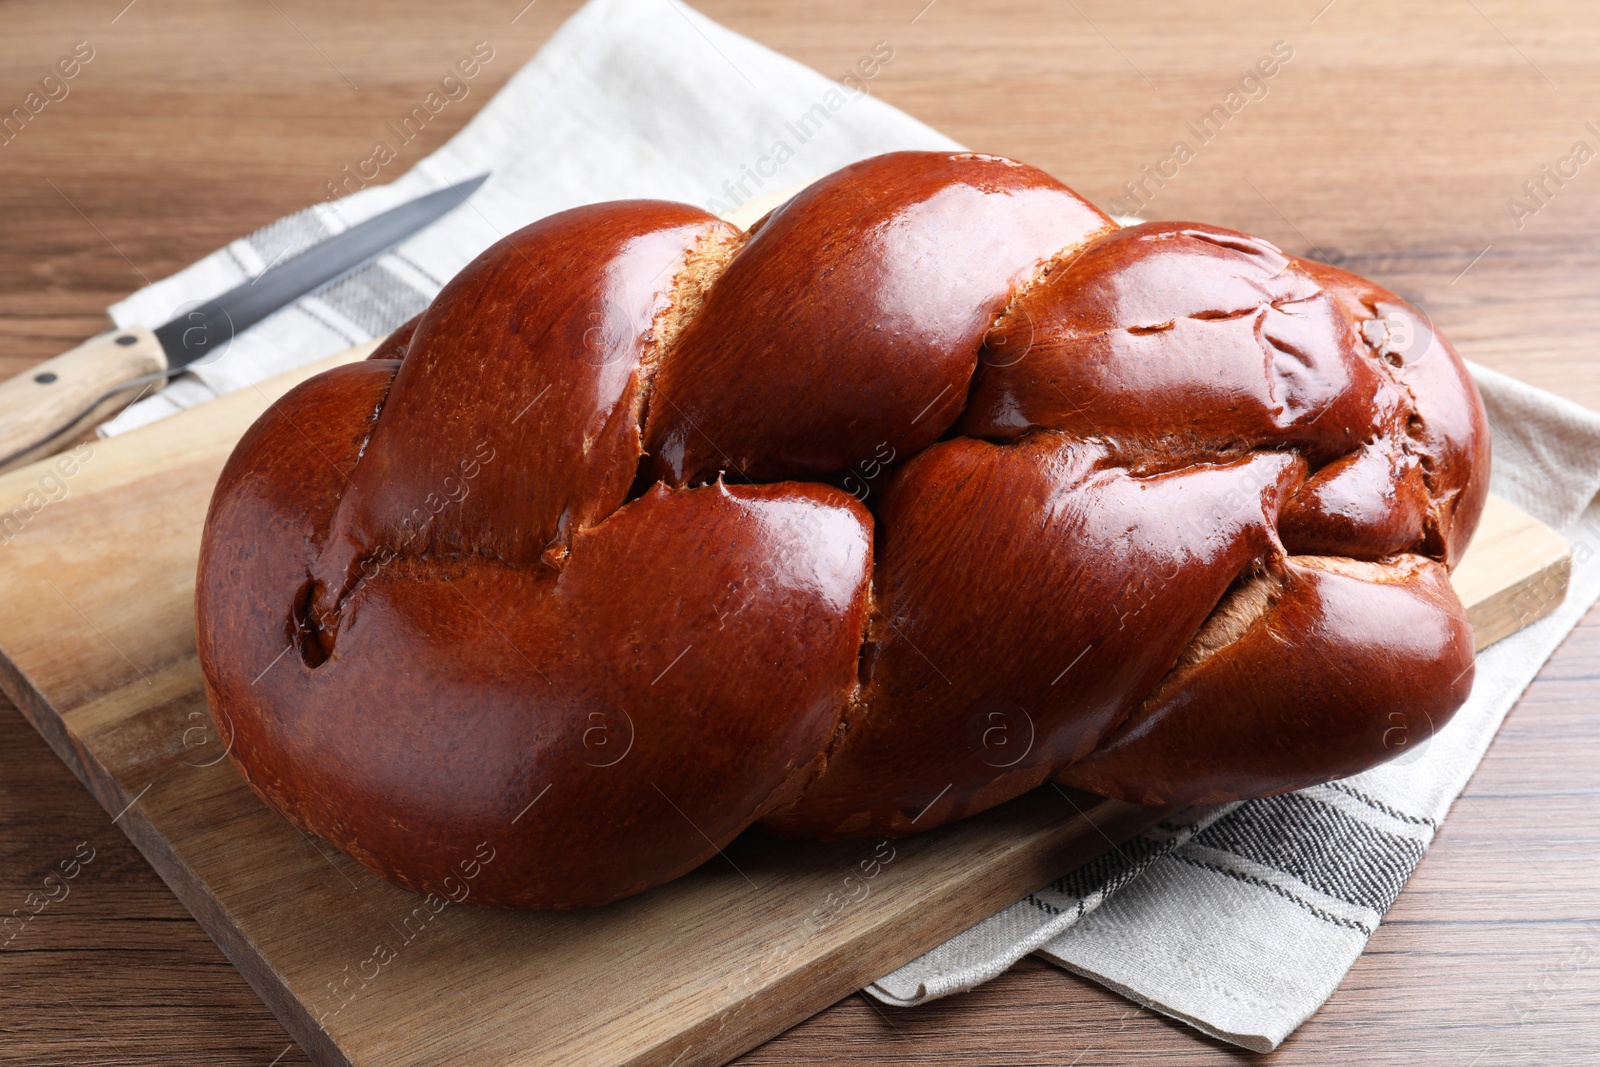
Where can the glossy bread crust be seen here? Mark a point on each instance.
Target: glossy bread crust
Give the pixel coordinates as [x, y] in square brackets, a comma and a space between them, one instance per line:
[934, 487]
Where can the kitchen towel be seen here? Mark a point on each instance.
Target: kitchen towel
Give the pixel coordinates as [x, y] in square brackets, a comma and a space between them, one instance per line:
[1240, 920]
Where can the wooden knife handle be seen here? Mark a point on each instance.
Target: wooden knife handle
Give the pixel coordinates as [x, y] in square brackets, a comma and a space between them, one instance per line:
[44, 409]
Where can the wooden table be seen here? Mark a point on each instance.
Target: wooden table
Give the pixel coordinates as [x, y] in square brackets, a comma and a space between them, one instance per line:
[1391, 142]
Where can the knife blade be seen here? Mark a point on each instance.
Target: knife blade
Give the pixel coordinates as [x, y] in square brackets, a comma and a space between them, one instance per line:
[45, 408]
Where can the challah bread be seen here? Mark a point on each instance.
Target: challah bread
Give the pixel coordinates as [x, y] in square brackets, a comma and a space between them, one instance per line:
[934, 486]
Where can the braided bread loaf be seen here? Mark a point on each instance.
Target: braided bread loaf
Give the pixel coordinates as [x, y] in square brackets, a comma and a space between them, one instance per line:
[934, 486]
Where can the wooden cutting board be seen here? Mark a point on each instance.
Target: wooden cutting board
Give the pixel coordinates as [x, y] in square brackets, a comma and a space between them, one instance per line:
[97, 648]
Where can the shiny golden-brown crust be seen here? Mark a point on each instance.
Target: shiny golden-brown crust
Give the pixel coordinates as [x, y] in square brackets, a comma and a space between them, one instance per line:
[1160, 512]
[853, 317]
[1329, 663]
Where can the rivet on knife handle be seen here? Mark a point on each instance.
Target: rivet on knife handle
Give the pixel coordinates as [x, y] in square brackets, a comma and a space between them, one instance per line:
[44, 408]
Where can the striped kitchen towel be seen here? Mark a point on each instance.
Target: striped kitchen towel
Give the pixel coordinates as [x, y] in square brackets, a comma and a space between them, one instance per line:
[1239, 920]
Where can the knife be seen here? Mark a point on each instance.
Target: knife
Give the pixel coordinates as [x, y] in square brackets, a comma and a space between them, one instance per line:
[44, 409]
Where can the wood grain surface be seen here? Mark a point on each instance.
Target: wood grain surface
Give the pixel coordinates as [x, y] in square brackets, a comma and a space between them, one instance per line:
[1391, 143]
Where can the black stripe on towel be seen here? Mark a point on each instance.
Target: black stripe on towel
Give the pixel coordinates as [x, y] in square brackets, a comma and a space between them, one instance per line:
[374, 298]
[1319, 846]
[1113, 870]
[287, 237]
[1377, 805]
[1299, 901]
